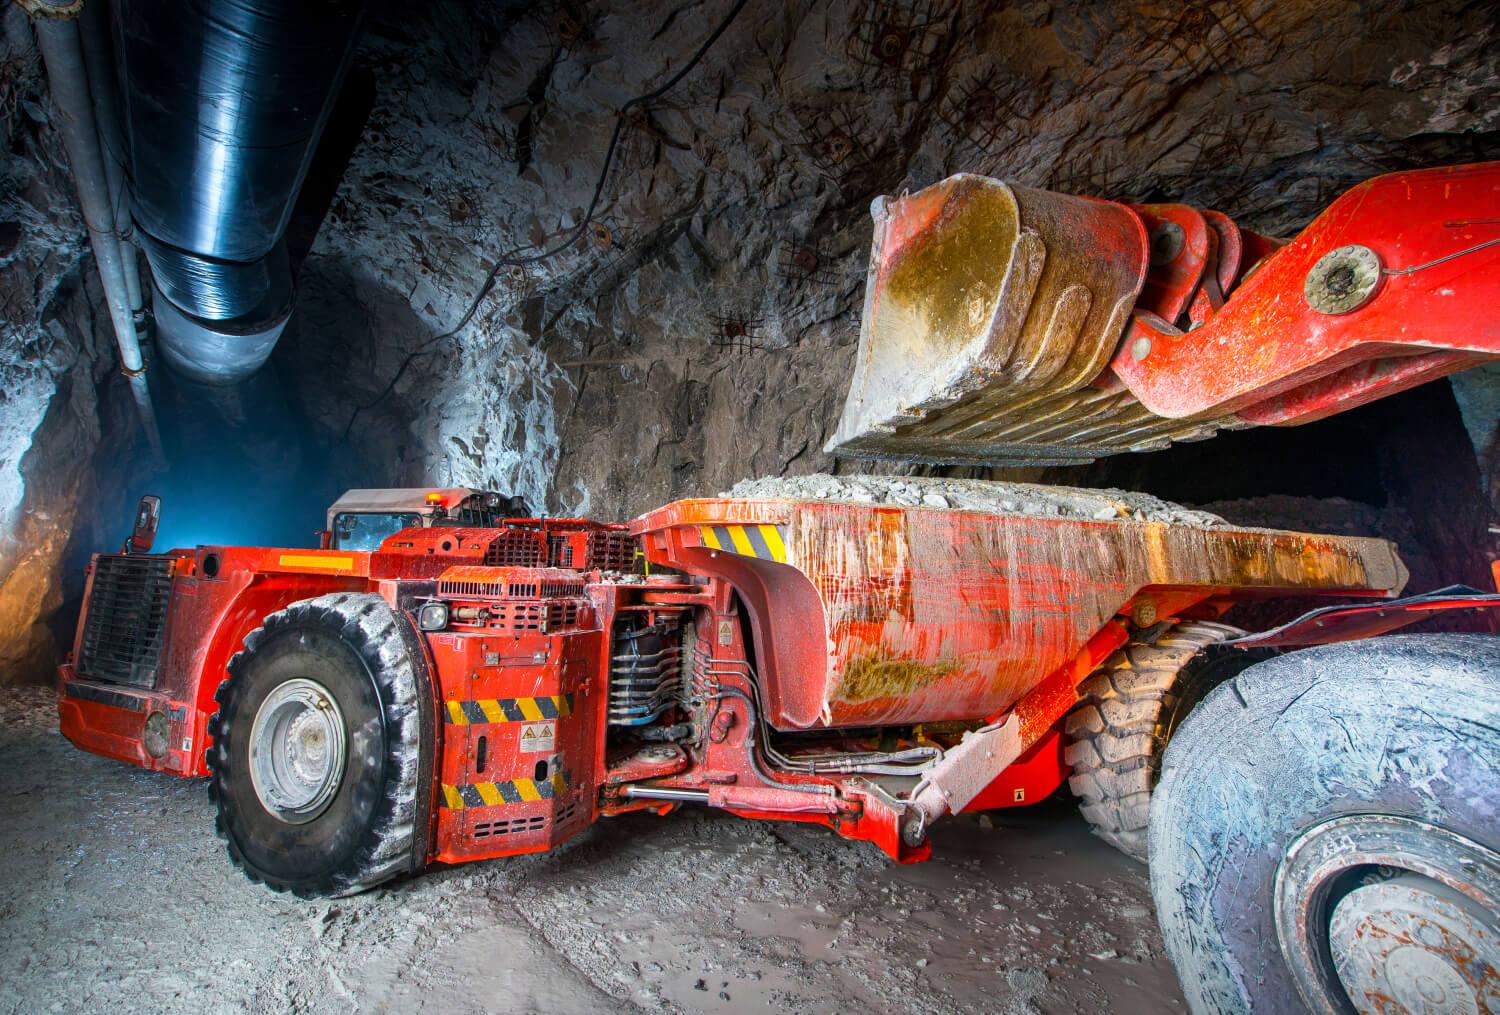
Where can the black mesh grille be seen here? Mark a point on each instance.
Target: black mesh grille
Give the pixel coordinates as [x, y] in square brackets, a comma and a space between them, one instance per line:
[611, 550]
[515, 548]
[127, 613]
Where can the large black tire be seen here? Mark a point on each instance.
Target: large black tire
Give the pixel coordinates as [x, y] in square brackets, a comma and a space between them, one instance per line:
[1127, 712]
[1310, 751]
[367, 658]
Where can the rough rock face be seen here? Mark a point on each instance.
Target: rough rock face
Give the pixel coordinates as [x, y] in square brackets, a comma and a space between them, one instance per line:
[485, 305]
[701, 326]
[56, 361]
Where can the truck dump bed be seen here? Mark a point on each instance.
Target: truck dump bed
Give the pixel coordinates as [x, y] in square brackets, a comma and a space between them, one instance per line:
[867, 613]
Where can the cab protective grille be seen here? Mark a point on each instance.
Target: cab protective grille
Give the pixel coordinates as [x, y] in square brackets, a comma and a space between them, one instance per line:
[127, 616]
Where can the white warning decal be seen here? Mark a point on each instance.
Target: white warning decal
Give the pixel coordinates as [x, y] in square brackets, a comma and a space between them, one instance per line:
[537, 737]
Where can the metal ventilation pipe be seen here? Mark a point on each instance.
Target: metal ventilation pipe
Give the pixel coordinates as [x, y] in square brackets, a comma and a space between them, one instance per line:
[57, 37]
[104, 87]
[225, 105]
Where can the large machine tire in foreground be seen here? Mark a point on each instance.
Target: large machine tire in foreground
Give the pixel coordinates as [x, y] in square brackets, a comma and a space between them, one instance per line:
[1327, 831]
[317, 749]
[1128, 711]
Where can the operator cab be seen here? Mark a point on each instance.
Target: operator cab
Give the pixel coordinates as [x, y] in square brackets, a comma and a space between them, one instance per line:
[363, 519]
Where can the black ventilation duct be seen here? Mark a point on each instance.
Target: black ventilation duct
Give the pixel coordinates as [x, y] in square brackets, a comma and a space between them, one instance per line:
[224, 103]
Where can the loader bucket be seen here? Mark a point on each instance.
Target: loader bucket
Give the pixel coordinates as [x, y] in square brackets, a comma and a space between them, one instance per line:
[985, 303]
[1010, 326]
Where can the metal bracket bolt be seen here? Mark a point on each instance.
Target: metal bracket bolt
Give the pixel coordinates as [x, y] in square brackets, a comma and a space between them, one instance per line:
[1343, 280]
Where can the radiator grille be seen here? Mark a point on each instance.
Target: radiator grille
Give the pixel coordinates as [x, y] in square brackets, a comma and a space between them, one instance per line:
[516, 548]
[499, 588]
[572, 548]
[611, 550]
[519, 826]
[524, 616]
[127, 615]
[515, 826]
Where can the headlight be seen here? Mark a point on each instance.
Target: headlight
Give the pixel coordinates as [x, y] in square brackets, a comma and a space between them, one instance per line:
[433, 616]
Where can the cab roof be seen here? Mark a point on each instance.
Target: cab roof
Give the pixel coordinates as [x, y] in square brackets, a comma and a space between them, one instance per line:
[393, 499]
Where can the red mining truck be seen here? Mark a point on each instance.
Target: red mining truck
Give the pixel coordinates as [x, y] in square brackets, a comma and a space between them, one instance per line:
[465, 693]
[1322, 827]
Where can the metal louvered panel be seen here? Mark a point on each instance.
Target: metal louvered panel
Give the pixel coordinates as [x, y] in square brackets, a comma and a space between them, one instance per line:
[611, 550]
[127, 616]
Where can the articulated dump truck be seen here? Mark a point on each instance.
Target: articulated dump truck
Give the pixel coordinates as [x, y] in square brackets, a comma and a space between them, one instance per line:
[462, 693]
[812, 652]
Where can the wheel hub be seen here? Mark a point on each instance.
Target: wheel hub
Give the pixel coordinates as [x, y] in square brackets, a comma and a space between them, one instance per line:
[1377, 913]
[1418, 942]
[297, 750]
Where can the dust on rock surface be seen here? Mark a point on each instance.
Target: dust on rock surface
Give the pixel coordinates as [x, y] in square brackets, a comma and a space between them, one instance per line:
[117, 894]
[977, 495]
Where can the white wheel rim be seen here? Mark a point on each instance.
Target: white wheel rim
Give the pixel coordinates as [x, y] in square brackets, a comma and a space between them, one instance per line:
[297, 751]
[1373, 907]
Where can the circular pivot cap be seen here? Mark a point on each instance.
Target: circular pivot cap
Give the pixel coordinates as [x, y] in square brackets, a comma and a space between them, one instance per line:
[1343, 280]
[1167, 239]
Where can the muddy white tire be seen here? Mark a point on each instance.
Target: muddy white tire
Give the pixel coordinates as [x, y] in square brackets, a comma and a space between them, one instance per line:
[1326, 832]
[1128, 711]
[318, 748]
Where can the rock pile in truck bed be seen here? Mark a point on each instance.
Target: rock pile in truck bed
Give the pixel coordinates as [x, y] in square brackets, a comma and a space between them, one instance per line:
[976, 495]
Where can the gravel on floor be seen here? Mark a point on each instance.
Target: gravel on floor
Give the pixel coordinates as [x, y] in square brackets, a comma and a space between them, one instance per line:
[115, 895]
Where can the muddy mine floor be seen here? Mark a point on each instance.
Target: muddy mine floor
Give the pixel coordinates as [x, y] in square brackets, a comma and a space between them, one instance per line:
[115, 895]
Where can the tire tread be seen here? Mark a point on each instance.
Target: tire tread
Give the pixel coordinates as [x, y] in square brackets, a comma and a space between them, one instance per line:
[369, 625]
[1115, 733]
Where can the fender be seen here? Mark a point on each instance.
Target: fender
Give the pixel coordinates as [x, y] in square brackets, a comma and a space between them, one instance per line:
[1353, 622]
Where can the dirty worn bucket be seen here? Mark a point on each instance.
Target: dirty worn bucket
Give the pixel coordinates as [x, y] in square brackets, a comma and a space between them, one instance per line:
[985, 304]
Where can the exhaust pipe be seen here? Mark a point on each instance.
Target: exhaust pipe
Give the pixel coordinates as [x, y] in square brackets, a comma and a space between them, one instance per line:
[58, 39]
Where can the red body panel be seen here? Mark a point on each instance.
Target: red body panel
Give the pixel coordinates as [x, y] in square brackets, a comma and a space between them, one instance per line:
[880, 615]
[209, 617]
[519, 745]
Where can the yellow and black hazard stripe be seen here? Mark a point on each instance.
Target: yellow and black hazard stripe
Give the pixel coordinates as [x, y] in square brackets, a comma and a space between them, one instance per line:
[487, 710]
[763, 542]
[512, 791]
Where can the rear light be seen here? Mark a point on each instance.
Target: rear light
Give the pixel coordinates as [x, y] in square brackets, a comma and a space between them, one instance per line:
[154, 739]
[433, 616]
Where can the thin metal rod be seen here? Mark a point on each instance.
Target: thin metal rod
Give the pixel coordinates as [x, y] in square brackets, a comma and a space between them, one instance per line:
[697, 796]
[58, 38]
[1447, 257]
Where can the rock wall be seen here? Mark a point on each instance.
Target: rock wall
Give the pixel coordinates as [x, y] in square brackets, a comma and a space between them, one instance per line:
[60, 397]
[698, 326]
[519, 285]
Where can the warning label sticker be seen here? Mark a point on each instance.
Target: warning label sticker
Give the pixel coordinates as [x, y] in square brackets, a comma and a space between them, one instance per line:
[537, 737]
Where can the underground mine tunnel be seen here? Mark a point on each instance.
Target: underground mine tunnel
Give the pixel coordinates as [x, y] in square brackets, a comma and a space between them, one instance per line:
[876, 505]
